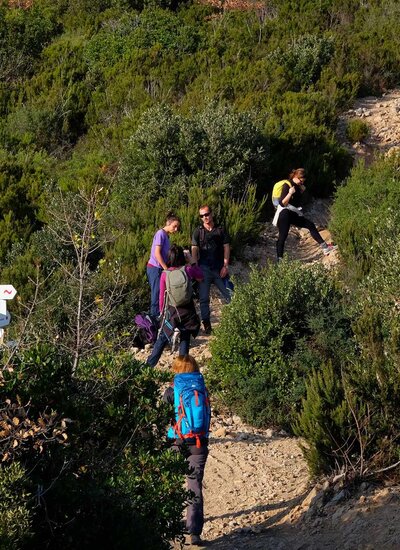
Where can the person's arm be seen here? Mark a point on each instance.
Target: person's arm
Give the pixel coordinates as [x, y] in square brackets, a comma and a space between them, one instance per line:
[227, 254]
[225, 268]
[195, 247]
[162, 292]
[159, 258]
[195, 254]
[286, 194]
[195, 272]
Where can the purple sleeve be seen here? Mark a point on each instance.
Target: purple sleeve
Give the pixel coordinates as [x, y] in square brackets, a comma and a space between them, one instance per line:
[159, 238]
[194, 272]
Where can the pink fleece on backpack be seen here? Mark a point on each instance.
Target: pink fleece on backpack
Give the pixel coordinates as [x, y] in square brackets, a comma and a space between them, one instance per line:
[193, 271]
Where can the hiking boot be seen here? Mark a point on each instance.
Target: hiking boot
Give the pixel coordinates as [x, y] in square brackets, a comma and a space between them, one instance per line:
[329, 248]
[207, 327]
[195, 540]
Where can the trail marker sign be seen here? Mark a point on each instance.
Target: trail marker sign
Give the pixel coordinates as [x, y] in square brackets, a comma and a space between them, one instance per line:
[7, 292]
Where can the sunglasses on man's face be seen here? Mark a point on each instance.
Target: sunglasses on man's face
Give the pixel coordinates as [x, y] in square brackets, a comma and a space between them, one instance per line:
[205, 215]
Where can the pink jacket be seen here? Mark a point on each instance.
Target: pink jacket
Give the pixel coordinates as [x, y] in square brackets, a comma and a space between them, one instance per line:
[193, 271]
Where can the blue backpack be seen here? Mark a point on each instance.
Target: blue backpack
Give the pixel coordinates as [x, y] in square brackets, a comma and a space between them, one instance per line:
[192, 408]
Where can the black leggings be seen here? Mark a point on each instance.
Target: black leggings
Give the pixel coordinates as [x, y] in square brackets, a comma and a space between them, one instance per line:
[288, 218]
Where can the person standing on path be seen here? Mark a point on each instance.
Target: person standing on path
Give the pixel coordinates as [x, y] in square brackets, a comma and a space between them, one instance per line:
[183, 316]
[211, 250]
[158, 259]
[286, 197]
[195, 451]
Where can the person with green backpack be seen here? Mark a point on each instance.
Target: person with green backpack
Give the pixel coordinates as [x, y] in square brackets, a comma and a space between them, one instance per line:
[178, 312]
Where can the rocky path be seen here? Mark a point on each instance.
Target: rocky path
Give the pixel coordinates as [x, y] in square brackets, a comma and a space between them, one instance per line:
[382, 115]
[257, 490]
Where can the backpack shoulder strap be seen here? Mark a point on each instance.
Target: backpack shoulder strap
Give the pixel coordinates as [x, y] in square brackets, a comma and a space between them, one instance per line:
[277, 189]
[202, 237]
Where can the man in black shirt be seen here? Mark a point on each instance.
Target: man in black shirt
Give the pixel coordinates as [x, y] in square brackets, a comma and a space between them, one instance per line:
[211, 250]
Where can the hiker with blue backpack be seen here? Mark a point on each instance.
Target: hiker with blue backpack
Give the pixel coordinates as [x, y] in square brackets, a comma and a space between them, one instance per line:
[211, 250]
[176, 304]
[189, 433]
[286, 198]
[158, 259]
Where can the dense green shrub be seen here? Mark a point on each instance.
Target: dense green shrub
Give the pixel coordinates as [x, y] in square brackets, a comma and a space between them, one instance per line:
[373, 46]
[304, 59]
[55, 117]
[23, 34]
[151, 27]
[350, 418]
[357, 130]
[364, 215]
[168, 154]
[15, 517]
[325, 421]
[22, 179]
[285, 321]
[113, 481]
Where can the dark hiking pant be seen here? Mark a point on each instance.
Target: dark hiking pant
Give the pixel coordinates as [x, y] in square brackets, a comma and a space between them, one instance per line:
[153, 275]
[162, 341]
[211, 276]
[288, 218]
[195, 509]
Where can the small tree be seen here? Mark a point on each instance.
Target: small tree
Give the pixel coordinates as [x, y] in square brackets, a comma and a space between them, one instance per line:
[77, 298]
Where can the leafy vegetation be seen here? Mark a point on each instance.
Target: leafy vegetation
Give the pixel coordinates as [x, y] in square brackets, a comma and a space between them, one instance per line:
[357, 130]
[350, 414]
[280, 325]
[96, 461]
[113, 112]
[370, 234]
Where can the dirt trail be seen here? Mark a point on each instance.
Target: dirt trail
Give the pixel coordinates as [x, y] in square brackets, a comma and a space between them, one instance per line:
[256, 489]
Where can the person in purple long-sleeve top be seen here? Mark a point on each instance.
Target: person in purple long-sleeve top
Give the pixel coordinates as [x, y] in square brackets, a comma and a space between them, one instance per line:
[183, 317]
[158, 259]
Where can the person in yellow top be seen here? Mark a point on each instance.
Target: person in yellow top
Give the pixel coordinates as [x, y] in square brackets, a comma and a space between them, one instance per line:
[286, 197]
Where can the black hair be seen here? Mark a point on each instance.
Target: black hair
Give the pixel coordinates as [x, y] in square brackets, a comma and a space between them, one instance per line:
[176, 257]
[171, 217]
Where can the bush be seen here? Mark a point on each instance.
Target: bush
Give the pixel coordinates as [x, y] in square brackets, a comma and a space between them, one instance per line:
[324, 421]
[285, 321]
[22, 178]
[15, 516]
[113, 481]
[169, 154]
[357, 130]
[350, 419]
[350, 415]
[304, 59]
[365, 217]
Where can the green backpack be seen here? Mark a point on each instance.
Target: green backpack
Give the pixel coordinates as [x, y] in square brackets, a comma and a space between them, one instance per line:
[178, 287]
